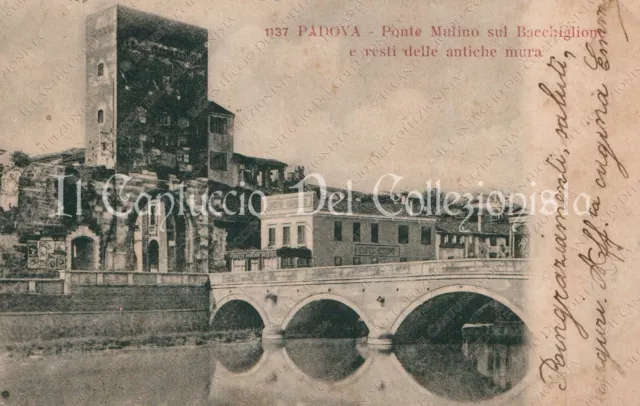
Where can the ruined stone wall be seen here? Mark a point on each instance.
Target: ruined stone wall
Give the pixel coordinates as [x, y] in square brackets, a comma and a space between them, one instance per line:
[190, 198]
[97, 205]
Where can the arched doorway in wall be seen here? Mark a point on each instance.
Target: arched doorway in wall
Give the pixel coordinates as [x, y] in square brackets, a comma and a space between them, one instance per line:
[153, 253]
[82, 253]
[161, 219]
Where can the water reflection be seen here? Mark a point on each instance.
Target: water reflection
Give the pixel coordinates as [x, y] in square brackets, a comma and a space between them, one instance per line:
[304, 371]
[504, 365]
[328, 360]
[447, 370]
[470, 371]
[239, 357]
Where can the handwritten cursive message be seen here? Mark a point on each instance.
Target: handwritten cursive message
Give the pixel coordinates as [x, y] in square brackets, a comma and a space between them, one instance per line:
[602, 251]
[554, 366]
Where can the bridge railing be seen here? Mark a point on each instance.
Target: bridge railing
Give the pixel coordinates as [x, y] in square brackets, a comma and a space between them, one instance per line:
[484, 267]
[130, 278]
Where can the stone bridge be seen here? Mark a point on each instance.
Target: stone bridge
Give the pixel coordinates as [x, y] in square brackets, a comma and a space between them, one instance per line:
[382, 295]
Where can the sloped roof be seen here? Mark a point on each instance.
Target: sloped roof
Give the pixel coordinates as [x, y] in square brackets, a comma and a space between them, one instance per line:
[249, 160]
[453, 225]
[215, 108]
[366, 205]
[67, 155]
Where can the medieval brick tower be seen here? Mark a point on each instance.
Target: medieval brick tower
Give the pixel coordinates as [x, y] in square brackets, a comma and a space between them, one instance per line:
[146, 95]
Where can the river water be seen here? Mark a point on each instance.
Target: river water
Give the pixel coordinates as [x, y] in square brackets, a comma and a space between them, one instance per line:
[302, 372]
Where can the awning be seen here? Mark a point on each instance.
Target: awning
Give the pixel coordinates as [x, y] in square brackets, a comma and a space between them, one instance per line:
[291, 252]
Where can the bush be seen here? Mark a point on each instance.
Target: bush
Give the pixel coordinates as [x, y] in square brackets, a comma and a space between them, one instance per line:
[8, 220]
[20, 159]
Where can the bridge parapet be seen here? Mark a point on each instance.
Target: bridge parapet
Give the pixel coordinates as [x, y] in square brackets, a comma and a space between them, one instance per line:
[383, 295]
[447, 268]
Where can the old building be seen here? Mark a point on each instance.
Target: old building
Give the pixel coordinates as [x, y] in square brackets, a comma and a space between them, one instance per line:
[299, 230]
[482, 230]
[153, 138]
[148, 120]
[483, 238]
[260, 173]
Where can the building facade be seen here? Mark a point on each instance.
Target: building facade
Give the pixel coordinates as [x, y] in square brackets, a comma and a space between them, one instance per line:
[482, 234]
[298, 230]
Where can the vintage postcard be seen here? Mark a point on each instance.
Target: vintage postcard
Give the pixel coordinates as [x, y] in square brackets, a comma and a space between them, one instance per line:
[305, 202]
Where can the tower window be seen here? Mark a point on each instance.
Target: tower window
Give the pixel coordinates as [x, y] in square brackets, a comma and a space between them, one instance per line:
[217, 125]
[218, 161]
[100, 116]
[100, 69]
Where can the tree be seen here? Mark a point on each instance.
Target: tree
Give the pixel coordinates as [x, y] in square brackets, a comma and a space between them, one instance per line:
[20, 159]
[8, 220]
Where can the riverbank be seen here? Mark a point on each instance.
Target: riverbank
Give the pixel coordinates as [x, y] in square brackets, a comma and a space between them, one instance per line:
[192, 338]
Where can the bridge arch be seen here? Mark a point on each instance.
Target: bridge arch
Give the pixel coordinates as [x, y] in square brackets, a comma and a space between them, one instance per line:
[456, 289]
[328, 296]
[242, 298]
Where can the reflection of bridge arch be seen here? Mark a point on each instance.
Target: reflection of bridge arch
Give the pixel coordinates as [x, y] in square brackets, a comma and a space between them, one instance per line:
[351, 379]
[455, 289]
[328, 296]
[224, 372]
[504, 398]
[242, 298]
